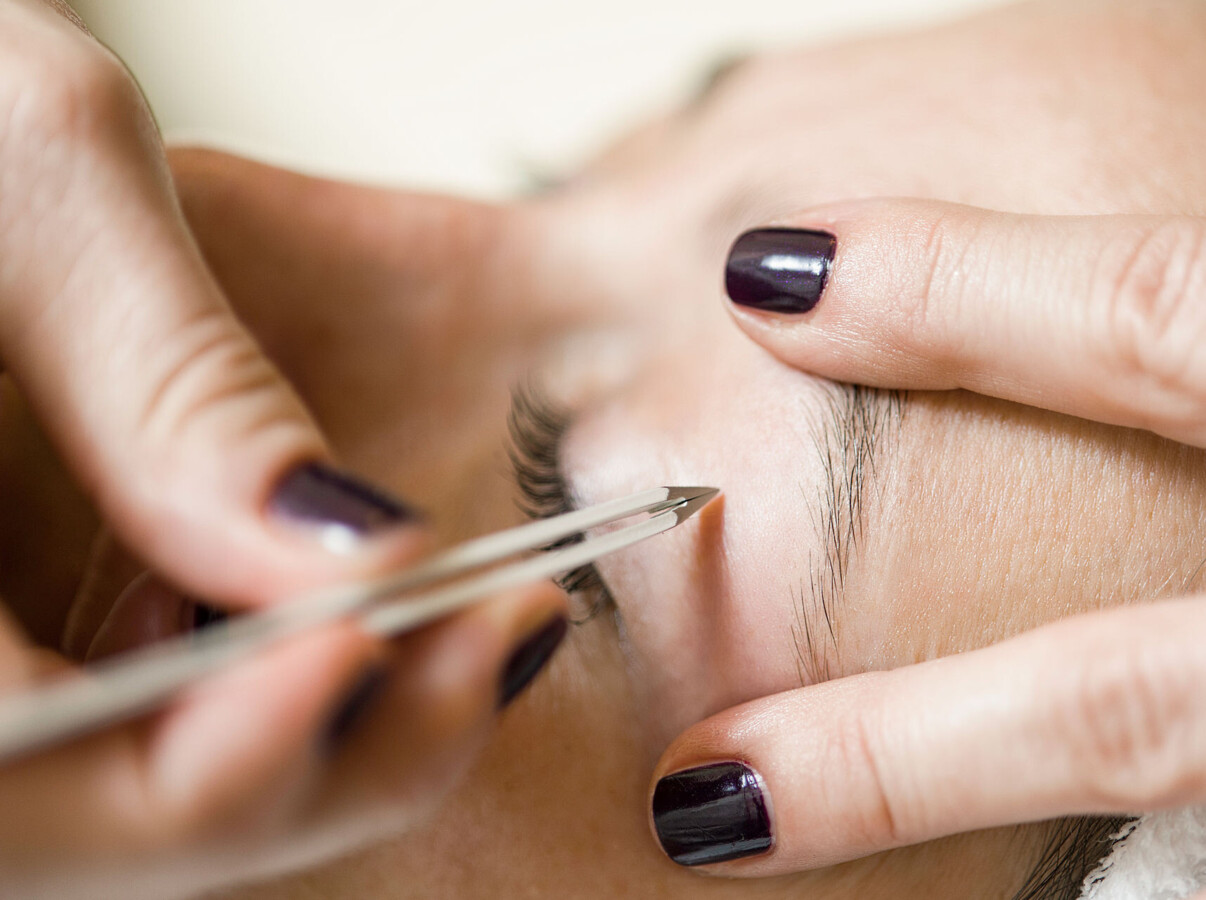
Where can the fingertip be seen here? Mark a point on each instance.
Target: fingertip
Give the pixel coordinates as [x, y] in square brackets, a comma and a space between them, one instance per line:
[781, 280]
[357, 704]
[729, 796]
[840, 290]
[531, 623]
[441, 701]
[245, 748]
[359, 528]
[713, 814]
[491, 654]
[709, 805]
[429, 716]
[780, 270]
[337, 508]
[251, 539]
[147, 611]
[530, 657]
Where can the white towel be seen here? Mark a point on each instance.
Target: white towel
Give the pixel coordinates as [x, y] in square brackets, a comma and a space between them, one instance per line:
[1161, 856]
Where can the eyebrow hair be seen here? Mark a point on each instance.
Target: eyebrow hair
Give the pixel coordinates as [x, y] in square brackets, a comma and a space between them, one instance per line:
[850, 440]
[857, 422]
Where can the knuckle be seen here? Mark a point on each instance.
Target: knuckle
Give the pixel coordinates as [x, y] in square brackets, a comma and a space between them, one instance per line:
[1150, 320]
[1127, 724]
[933, 256]
[212, 378]
[928, 323]
[859, 751]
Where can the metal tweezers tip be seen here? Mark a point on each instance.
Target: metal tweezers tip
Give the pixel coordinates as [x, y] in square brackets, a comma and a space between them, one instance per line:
[692, 500]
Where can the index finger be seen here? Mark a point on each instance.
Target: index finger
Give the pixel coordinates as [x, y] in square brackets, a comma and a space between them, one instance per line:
[1097, 316]
[172, 419]
[1096, 714]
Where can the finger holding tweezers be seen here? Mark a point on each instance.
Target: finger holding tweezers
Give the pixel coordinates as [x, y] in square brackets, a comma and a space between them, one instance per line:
[138, 682]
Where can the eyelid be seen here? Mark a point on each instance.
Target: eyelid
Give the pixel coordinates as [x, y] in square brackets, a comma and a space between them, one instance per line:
[537, 427]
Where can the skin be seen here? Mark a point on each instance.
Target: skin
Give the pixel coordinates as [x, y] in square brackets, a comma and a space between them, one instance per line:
[179, 434]
[1099, 316]
[608, 291]
[985, 520]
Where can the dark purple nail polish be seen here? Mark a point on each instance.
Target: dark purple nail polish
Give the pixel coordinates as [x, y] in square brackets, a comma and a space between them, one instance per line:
[205, 615]
[355, 707]
[321, 495]
[711, 814]
[779, 269]
[528, 659]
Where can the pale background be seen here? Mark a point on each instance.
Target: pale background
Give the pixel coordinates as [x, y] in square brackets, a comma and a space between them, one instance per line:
[466, 95]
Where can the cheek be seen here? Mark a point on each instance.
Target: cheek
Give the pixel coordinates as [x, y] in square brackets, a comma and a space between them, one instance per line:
[563, 777]
[556, 808]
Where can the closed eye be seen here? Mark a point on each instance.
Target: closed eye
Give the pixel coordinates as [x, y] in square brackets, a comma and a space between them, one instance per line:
[537, 427]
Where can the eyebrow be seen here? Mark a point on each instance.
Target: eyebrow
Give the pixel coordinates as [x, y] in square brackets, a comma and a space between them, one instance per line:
[849, 441]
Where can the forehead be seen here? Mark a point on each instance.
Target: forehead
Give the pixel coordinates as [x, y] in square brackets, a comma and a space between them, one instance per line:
[972, 520]
[992, 519]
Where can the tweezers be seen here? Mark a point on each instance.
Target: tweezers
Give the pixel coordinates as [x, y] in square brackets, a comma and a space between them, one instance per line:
[143, 680]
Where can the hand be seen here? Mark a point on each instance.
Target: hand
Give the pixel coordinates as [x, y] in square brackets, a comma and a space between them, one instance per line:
[1095, 316]
[1100, 317]
[284, 246]
[207, 466]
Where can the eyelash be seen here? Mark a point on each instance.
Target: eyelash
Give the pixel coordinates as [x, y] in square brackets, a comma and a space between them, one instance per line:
[537, 427]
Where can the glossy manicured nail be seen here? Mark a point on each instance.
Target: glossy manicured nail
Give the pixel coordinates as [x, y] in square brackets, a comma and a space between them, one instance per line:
[529, 658]
[205, 615]
[320, 495]
[779, 269]
[356, 706]
[711, 814]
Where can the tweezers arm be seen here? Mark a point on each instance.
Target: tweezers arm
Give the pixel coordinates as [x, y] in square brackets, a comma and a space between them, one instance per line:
[404, 615]
[141, 681]
[493, 548]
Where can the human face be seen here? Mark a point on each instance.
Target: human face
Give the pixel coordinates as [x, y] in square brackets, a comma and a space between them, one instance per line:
[977, 519]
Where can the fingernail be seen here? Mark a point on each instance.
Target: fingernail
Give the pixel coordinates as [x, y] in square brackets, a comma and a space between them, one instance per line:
[779, 269]
[528, 659]
[711, 814]
[338, 502]
[205, 615]
[354, 708]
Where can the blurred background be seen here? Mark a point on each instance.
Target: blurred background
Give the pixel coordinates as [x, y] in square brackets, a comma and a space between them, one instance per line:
[464, 95]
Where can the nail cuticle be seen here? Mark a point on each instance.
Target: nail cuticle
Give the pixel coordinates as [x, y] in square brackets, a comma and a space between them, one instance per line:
[779, 270]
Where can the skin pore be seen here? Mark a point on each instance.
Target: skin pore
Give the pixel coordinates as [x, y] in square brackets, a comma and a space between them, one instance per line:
[406, 320]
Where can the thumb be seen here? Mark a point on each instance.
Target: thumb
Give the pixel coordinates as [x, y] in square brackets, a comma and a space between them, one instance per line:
[1096, 316]
[194, 447]
[1095, 714]
[196, 450]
